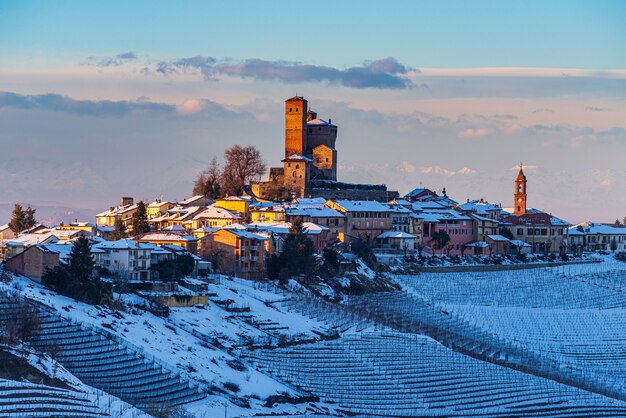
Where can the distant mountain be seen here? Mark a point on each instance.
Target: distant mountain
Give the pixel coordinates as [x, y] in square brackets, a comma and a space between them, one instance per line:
[51, 214]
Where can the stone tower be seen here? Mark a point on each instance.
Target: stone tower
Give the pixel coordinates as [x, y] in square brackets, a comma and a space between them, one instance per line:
[519, 207]
[296, 110]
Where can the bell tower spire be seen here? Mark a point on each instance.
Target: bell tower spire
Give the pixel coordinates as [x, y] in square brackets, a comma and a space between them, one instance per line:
[520, 196]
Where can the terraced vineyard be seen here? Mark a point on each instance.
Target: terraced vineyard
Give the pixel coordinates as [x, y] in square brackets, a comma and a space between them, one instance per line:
[545, 342]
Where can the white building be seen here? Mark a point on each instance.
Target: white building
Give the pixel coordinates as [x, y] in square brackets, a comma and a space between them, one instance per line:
[123, 257]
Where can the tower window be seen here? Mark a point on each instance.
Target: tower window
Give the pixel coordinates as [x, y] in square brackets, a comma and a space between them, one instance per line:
[318, 160]
[297, 110]
[290, 109]
[519, 208]
[297, 166]
[294, 174]
[326, 159]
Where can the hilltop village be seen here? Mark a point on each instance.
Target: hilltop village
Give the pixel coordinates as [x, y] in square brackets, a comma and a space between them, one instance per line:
[246, 230]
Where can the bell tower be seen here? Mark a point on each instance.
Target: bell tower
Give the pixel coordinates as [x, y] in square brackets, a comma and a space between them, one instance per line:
[519, 205]
[296, 110]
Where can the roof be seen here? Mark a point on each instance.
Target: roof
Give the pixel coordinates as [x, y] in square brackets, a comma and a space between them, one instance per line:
[27, 240]
[245, 234]
[479, 207]
[4, 227]
[158, 203]
[319, 122]
[311, 201]
[497, 237]
[478, 244]
[520, 176]
[598, 229]
[444, 214]
[122, 244]
[362, 206]
[536, 217]
[298, 157]
[117, 210]
[164, 236]
[296, 99]
[215, 212]
[518, 243]
[314, 212]
[396, 234]
[310, 228]
[420, 192]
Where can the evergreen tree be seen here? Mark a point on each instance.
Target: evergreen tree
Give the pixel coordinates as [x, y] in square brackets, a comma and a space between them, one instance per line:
[617, 224]
[30, 217]
[81, 263]
[119, 230]
[140, 219]
[440, 240]
[18, 219]
[506, 233]
[298, 251]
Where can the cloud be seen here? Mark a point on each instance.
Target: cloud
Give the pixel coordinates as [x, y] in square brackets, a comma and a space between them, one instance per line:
[110, 108]
[385, 73]
[407, 167]
[473, 133]
[114, 61]
[437, 170]
[596, 109]
[525, 167]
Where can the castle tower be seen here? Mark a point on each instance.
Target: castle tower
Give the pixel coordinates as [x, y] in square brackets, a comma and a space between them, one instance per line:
[296, 110]
[519, 205]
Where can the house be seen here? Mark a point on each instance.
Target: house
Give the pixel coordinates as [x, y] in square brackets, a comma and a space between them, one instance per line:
[33, 261]
[277, 233]
[318, 214]
[420, 194]
[198, 200]
[274, 212]
[365, 219]
[214, 216]
[457, 225]
[397, 241]
[124, 212]
[545, 233]
[188, 242]
[157, 208]
[6, 232]
[175, 216]
[240, 205]
[593, 236]
[498, 244]
[23, 241]
[486, 217]
[236, 251]
[124, 258]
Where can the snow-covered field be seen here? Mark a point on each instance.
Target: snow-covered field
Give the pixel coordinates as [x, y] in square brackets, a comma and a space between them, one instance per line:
[539, 342]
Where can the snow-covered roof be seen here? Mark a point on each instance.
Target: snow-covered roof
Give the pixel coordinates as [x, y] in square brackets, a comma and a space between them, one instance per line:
[245, 234]
[27, 240]
[497, 237]
[478, 244]
[4, 227]
[311, 201]
[310, 228]
[444, 214]
[158, 203]
[594, 228]
[518, 243]
[319, 122]
[298, 157]
[121, 244]
[62, 249]
[314, 212]
[215, 212]
[164, 236]
[479, 207]
[396, 234]
[362, 206]
[118, 210]
[179, 228]
[206, 229]
[237, 225]
[430, 204]
[192, 199]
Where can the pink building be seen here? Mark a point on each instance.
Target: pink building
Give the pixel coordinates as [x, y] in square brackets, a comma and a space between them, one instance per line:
[457, 225]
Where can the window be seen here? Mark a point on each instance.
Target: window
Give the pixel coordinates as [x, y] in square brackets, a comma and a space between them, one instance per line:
[294, 174]
[290, 109]
[318, 160]
[326, 159]
[520, 231]
[310, 130]
[297, 166]
[297, 110]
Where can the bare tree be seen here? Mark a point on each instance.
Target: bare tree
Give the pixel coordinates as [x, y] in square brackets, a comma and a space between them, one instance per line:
[209, 182]
[244, 164]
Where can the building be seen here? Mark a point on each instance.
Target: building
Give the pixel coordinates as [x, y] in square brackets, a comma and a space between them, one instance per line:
[124, 258]
[33, 261]
[236, 251]
[593, 236]
[397, 241]
[457, 225]
[277, 233]
[364, 219]
[188, 242]
[157, 208]
[236, 204]
[124, 212]
[310, 162]
[545, 233]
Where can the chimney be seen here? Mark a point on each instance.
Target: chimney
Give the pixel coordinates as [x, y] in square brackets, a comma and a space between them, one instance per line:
[330, 121]
[127, 201]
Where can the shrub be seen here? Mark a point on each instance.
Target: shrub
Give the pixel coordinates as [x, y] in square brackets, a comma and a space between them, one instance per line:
[231, 386]
[621, 256]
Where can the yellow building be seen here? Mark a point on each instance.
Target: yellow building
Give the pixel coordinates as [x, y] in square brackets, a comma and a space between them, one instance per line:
[235, 204]
[125, 212]
[157, 208]
[274, 213]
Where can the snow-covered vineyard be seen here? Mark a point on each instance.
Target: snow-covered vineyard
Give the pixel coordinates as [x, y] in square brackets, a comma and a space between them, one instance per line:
[538, 342]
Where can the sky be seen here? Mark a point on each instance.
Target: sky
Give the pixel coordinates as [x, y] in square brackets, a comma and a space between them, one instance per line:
[100, 100]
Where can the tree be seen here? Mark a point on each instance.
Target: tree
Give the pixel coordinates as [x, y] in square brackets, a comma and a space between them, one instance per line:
[298, 250]
[331, 259]
[440, 240]
[209, 182]
[624, 221]
[613, 245]
[18, 219]
[119, 230]
[244, 164]
[30, 217]
[617, 224]
[140, 219]
[81, 263]
[506, 233]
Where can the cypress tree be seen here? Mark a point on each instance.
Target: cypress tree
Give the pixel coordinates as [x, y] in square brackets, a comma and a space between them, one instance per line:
[140, 219]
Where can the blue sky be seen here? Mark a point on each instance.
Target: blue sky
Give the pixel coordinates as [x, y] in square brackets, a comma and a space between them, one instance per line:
[566, 34]
[103, 99]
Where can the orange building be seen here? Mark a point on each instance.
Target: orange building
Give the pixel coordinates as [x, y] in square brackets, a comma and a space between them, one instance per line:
[235, 251]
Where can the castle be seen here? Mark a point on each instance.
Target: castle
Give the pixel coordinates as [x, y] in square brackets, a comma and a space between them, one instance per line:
[310, 164]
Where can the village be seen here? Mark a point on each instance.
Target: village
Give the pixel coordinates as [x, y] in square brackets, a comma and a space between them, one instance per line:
[238, 234]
